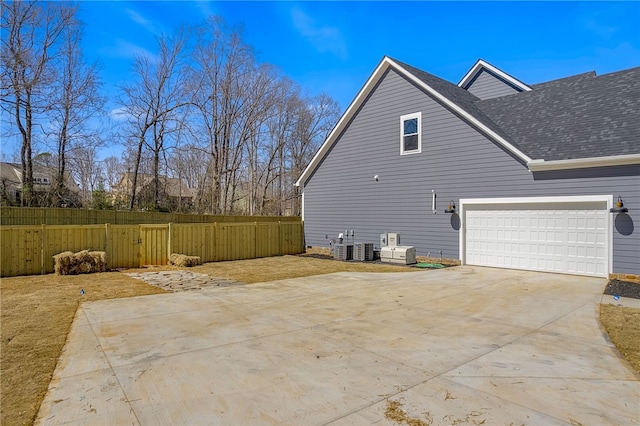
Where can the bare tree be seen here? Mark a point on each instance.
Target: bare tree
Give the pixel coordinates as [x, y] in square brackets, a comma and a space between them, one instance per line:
[113, 169]
[315, 119]
[30, 32]
[153, 103]
[86, 170]
[77, 102]
[223, 70]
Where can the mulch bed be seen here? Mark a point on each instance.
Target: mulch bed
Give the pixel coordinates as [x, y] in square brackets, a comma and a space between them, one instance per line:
[623, 289]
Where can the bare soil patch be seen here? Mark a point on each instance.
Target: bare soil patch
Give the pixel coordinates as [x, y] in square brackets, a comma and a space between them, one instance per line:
[623, 289]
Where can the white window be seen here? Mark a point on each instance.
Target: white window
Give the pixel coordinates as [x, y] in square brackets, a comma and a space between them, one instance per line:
[410, 133]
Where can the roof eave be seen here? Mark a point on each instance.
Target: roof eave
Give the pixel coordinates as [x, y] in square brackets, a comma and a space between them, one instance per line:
[584, 163]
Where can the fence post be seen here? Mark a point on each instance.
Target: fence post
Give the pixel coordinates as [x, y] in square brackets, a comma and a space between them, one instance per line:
[106, 244]
[169, 243]
[42, 247]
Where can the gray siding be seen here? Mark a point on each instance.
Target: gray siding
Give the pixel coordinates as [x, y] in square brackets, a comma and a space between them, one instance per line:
[456, 161]
[487, 85]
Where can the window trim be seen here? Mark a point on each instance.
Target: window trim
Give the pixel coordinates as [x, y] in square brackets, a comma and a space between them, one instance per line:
[404, 118]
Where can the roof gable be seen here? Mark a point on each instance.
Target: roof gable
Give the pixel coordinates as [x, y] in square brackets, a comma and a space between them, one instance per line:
[459, 101]
[484, 68]
[562, 124]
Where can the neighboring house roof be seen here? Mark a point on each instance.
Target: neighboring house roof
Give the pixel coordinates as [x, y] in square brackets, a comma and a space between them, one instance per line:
[173, 187]
[43, 177]
[574, 122]
[10, 172]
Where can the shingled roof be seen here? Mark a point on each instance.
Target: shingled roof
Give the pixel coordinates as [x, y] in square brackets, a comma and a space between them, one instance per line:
[576, 117]
[576, 122]
[582, 116]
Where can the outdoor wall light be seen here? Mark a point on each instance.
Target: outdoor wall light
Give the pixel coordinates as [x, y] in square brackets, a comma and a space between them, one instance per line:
[376, 178]
[619, 207]
[451, 208]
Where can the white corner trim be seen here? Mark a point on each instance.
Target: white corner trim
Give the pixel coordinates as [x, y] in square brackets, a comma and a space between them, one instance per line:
[480, 64]
[583, 163]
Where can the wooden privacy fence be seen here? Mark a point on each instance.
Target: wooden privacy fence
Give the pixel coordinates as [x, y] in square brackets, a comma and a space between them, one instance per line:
[28, 250]
[58, 216]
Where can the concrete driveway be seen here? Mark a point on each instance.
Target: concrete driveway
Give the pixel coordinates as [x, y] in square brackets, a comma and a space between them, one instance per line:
[464, 345]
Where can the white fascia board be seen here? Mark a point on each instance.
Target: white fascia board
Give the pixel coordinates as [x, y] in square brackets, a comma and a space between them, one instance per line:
[346, 117]
[482, 64]
[468, 117]
[583, 163]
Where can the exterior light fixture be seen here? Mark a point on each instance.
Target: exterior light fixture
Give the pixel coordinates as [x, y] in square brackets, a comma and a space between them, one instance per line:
[451, 208]
[619, 207]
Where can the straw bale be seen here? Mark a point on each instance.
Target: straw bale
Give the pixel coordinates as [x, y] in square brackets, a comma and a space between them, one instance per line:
[184, 260]
[62, 262]
[82, 262]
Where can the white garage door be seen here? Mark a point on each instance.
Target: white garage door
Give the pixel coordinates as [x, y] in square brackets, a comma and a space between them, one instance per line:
[554, 237]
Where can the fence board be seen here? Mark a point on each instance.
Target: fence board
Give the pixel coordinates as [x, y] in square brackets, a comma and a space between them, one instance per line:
[291, 238]
[123, 246]
[191, 240]
[154, 248]
[21, 251]
[27, 250]
[12, 216]
[267, 239]
[71, 238]
[235, 241]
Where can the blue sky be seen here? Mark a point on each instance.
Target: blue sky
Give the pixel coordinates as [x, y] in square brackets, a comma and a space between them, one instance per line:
[334, 46]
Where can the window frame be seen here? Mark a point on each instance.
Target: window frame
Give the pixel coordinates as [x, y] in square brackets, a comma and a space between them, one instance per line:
[404, 118]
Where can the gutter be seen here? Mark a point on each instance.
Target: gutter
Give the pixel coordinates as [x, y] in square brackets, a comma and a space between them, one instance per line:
[541, 165]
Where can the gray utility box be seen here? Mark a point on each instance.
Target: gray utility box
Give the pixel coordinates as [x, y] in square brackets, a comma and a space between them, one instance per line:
[405, 255]
[363, 251]
[343, 251]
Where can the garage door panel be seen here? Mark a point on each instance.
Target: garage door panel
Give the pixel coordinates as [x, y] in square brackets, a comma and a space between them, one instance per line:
[550, 239]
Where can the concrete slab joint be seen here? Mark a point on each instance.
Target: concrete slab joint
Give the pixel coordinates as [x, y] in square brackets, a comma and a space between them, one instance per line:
[462, 345]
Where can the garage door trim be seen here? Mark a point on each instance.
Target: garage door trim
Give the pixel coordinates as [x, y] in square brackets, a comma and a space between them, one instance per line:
[560, 201]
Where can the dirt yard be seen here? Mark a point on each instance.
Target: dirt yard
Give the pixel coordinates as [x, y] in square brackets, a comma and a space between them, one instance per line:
[37, 312]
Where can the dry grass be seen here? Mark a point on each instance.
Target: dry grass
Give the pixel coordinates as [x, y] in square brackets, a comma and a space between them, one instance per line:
[623, 327]
[36, 316]
[395, 413]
